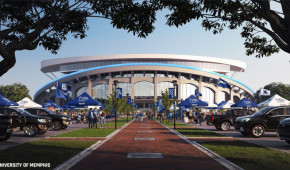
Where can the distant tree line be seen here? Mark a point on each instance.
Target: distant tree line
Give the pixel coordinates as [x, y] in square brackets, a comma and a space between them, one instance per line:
[279, 88]
[15, 91]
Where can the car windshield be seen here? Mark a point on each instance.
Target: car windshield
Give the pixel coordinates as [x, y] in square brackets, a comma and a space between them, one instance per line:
[263, 111]
[49, 111]
[22, 112]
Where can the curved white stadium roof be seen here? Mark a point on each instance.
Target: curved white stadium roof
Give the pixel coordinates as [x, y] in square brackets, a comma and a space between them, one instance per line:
[53, 65]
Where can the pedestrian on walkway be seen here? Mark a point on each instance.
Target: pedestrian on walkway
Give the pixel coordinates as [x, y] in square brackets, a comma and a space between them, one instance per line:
[137, 116]
[96, 117]
[141, 116]
[102, 119]
[90, 118]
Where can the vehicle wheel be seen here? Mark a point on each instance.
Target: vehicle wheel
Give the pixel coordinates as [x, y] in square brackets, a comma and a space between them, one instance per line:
[288, 141]
[257, 131]
[245, 133]
[56, 125]
[64, 127]
[225, 125]
[218, 127]
[42, 132]
[5, 137]
[30, 130]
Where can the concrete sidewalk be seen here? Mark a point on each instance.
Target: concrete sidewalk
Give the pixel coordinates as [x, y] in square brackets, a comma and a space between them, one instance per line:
[153, 139]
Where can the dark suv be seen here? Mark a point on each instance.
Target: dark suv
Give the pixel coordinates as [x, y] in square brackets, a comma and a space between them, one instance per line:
[283, 130]
[58, 121]
[31, 124]
[266, 119]
[226, 120]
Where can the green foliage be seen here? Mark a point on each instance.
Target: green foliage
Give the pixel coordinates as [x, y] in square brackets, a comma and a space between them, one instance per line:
[15, 91]
[279, 88]
[166, 101]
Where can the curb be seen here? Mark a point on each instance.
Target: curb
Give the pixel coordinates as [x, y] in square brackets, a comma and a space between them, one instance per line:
[74, 160]
[226, 163]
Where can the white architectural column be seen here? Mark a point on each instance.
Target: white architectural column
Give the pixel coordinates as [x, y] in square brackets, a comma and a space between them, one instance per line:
[89, 86]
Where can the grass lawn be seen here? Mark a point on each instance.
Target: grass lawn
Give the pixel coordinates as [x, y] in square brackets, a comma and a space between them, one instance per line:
[195, 132]
[87, 133]
[53, 152]
[177, 124]
[120, 122]
[249, 156]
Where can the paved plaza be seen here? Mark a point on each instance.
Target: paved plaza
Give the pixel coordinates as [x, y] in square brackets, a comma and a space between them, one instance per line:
[147, 145]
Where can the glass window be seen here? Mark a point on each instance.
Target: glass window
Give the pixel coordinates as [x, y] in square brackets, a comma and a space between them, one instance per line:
[277, 112]
[116, 75]
[149, 73]
[207, 95]
[172, 74]
[161, 74]
[126, 74]
[144, 90]
[126, 88]
[162, 86]
[138, 74]
[185, 76]
[82, 90]
[221, 96]
[100, 91]
[187, 90]
[105, 76]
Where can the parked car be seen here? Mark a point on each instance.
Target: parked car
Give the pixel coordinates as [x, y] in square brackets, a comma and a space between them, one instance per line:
[30, 124]
[266, 119]
[283, 130]
[58, 121]
[5, 127]
[226, 120]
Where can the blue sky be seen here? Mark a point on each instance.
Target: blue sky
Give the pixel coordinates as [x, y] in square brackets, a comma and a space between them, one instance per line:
[191, 39]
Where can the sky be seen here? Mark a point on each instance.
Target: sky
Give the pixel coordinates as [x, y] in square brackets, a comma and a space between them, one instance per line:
[190, 39]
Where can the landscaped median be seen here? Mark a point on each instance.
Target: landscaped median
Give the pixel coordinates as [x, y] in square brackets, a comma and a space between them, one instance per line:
[244, 154]
[57, 149]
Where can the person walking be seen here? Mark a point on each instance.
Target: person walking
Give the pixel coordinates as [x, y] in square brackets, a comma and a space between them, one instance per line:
[90, 118]
[141, 116]
[96, 115]
[137, 116]
[102, 119]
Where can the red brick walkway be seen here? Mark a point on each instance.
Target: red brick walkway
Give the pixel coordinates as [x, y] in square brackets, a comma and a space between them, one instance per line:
[177, 154]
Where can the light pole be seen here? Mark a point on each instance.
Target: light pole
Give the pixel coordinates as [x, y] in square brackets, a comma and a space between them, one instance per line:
[115, 84]
[174, 84]
[127, 105]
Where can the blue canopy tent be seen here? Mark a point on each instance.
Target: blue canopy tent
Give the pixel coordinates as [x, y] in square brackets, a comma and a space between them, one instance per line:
[192, 101]
[6, 102]
[84, 100]
[72, 107]
[50, 104]
[245, 103]
[221, 104]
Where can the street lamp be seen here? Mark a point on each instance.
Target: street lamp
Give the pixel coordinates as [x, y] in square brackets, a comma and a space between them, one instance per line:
[127, 105]
[175, 96]
[115, 84]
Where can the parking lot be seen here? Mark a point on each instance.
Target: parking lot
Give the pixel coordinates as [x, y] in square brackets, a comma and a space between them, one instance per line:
[270, 139]
[18, 138]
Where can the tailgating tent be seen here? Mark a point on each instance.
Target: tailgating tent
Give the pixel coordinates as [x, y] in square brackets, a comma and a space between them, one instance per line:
[50, 104]
[225, 105]
[26, 102]
[6, 102]
[275, 100]
[212, 106]
[192, 101]
[84, 100]
[245, 103]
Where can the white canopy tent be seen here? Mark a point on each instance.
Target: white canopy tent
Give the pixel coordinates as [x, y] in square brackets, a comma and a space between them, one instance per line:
[227, 105]
[275, 100]
[26, 102]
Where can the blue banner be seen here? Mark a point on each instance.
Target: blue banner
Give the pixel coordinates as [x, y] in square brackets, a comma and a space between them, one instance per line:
[171, 93]
[197, 93]
[224, 84]
[129, 101]
[63, 86]
[119, 93]
[61, 94]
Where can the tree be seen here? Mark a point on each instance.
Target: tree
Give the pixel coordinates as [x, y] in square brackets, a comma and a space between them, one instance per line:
[166, 101]
[27, 24]
[15, 92]
[281, 89]
[254, 16]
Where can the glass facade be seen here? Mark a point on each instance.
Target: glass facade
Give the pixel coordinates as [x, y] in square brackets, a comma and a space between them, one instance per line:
[126, 88]
[187, 90]
[82, 90]
[100, 91]
[221, 96]
[162, 86]
[143, 90]
[207, 95]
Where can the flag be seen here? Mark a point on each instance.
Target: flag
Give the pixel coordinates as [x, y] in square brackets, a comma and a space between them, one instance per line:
[119, 93]
[223, 83]
[61, 94]
[197, 93]
[63, 86]
[148, 107]
[171, 93]
[265, 92]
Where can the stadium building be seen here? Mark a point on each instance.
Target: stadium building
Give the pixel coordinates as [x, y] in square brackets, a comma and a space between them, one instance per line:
[144, 77]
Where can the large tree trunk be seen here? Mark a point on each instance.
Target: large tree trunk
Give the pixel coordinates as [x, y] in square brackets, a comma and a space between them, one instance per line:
[7, 63]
